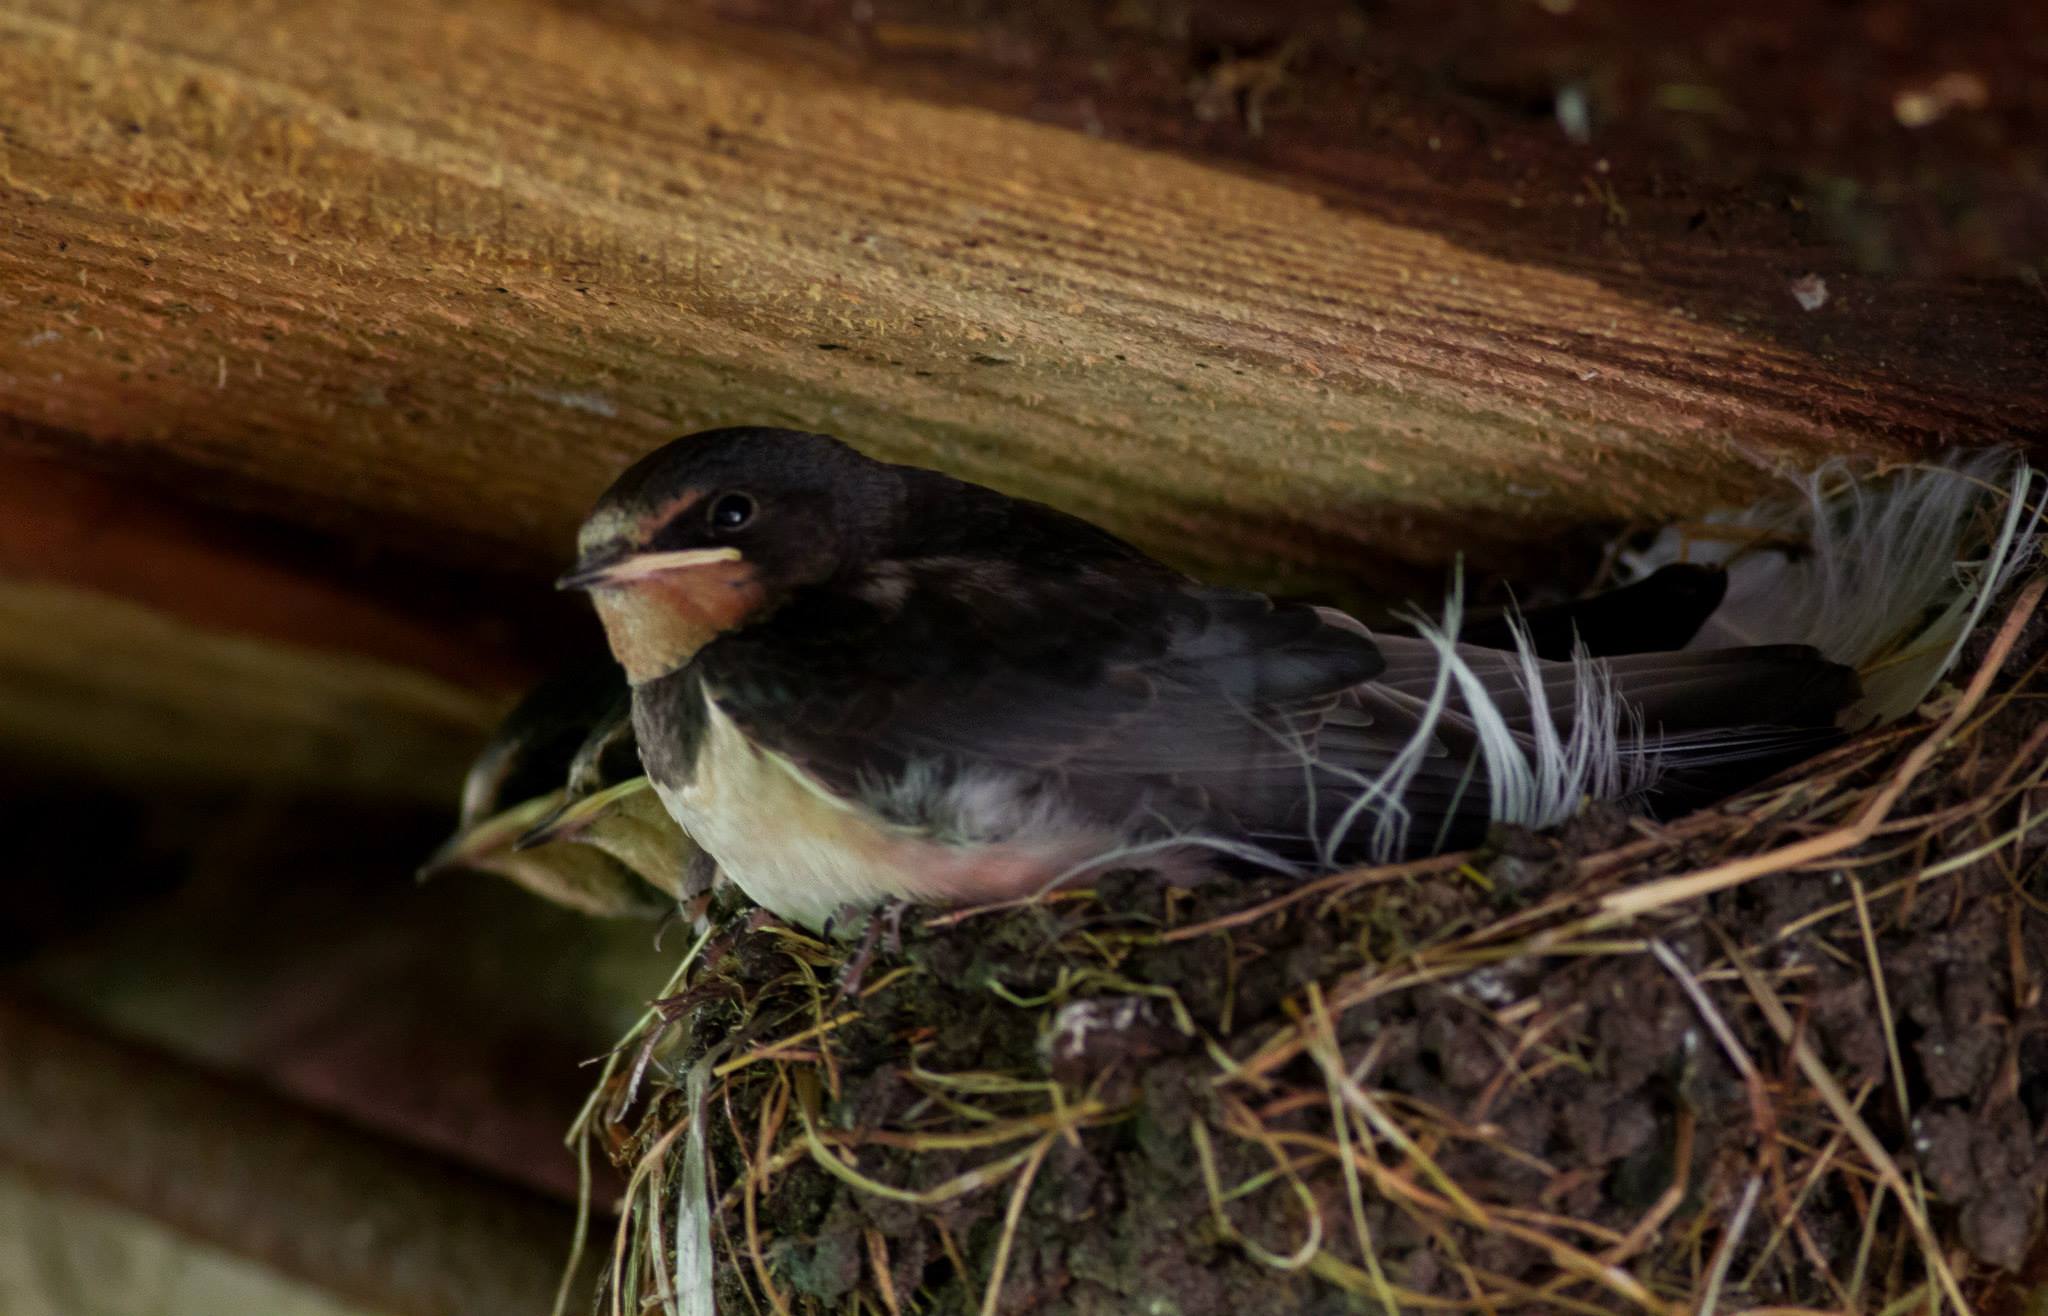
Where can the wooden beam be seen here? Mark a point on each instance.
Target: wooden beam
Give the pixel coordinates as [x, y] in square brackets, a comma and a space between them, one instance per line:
[394, 1230]
[95, 683]
[1693, 149]
[64, 1253]
[453, 262]
[148, 637]
[153, 544]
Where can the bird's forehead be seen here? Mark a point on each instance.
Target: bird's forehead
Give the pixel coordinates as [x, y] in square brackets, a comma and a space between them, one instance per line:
[613, 524]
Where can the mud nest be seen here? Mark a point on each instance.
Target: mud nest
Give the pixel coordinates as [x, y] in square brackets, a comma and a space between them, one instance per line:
[1788, 1053]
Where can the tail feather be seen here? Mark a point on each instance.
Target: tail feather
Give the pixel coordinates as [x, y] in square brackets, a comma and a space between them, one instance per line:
[1662, 611]
[1887, 574]
[1503, 735]
[1787, 684]
[1842, 606]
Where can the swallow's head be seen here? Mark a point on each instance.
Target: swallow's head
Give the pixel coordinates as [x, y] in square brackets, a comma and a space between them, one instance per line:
[714, 529]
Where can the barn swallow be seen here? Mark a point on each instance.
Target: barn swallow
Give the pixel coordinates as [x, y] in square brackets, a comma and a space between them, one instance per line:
[854, 682]
[556, 803]
[608, 803]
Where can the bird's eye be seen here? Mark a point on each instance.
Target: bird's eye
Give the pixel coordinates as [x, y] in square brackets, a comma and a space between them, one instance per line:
[732, 511]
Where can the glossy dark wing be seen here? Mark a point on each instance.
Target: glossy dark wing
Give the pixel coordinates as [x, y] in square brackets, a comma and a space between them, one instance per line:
[1173, 710]
[1124, 691]
[1660, 612]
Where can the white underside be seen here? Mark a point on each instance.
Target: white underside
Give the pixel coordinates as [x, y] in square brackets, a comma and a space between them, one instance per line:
[806, 854]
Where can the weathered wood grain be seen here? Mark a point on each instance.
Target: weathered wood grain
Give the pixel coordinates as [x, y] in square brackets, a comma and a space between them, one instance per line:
[451, 263]
[1698, 148]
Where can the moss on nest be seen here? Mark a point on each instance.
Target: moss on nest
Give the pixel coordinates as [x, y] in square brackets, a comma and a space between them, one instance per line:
[1786, 1053]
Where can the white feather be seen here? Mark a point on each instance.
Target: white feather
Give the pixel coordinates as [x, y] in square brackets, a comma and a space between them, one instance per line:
[1886, 572]
[1538, 778]
[1535, 776]
[1383, 796]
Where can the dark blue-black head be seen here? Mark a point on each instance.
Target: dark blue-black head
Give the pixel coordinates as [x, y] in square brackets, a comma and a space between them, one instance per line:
[710, 529]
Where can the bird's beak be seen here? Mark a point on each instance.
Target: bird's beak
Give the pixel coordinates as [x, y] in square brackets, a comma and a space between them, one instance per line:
[639, 566]
[487, 838]
[572, 818]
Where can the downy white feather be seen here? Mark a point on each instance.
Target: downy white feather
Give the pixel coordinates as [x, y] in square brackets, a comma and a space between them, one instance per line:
[1885, 572]
[1536, 778]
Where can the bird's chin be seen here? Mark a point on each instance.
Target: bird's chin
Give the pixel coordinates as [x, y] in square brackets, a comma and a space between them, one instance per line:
[657, 624]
